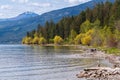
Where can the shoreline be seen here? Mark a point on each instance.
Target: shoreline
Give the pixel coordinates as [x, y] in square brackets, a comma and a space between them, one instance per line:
[107, 50]
[87, 51]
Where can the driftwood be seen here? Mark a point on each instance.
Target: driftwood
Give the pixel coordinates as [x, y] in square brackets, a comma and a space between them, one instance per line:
[100, 73]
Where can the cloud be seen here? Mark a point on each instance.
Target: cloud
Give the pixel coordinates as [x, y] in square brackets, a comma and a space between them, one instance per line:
[76, 1]
[23, 1]
[40, 4]
[1, 14]
[5, 7]
[82, 1]
[20, 1]
[73, 1]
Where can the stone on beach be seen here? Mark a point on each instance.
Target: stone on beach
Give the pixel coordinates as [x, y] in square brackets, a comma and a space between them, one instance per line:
[100, 72]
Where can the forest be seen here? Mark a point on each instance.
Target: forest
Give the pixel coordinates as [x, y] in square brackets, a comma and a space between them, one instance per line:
[99, 26]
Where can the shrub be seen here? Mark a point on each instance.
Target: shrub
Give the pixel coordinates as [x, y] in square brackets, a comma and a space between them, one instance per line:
[27, 40]
[78, 38]
[42, 40]
[86, 40]
[58, 40]
[35, 40]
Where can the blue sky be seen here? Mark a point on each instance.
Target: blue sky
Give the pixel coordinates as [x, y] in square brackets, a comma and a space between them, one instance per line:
[12, 8]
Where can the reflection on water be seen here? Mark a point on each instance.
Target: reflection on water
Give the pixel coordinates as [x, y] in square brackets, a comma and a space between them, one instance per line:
[22, 62]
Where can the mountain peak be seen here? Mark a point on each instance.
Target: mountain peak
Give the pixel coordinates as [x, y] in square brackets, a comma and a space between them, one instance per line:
[27, 14]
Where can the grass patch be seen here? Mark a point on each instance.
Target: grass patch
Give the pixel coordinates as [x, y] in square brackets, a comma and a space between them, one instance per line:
[115, 51]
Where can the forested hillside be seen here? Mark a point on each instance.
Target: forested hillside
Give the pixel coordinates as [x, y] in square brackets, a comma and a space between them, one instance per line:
[27, 21]
[99, 26]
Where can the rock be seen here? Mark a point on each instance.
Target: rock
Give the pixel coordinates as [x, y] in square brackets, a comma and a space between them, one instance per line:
[82, 74]
[100, 72]
[93, 50]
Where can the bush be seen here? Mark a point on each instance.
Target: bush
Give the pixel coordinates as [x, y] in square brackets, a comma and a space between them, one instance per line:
[78, 38]
[27, 40]
[72, 36]
[51, 41]
[58, 40]
[86, 40]
[35, 40]
[42, 40]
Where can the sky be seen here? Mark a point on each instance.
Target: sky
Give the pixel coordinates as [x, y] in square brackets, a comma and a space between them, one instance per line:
[12, 8]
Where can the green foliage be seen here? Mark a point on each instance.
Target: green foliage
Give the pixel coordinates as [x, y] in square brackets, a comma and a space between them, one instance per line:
[79, 38]
[110, 39]
[27, 40]
[85, 26]
[117, 36]
[51, 40]
[42, 41]
[97, 38]
[86, 40]
[58, 40]
[96, 24]
[35, 40]
[112, 50]
[72, 36]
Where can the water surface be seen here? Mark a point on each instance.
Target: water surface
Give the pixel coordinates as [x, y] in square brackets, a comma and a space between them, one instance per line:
[22, 62]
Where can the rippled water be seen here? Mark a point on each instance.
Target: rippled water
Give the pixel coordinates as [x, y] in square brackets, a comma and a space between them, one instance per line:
[22, 62]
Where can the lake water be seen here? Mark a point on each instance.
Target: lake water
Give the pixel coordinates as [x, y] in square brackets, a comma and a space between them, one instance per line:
[22, 62]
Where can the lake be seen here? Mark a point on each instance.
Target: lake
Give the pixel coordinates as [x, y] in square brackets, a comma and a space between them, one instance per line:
[23, 62]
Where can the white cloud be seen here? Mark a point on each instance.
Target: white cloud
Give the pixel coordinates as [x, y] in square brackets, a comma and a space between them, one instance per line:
[73, 1]
[82, 1]
[76, 1]
[23, 1]
[1, 14]
[20, 1]
[5, 7]
[40, 4]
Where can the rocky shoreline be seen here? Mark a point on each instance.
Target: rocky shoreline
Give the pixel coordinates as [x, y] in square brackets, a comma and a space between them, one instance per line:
[99, 72]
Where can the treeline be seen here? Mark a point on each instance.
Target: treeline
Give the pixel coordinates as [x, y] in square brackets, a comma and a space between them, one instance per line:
[99, 26]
